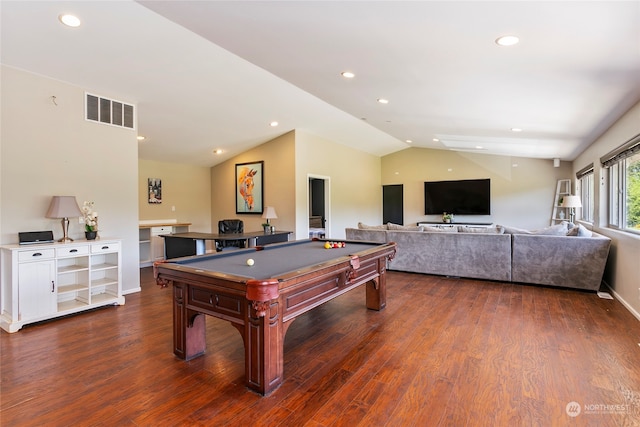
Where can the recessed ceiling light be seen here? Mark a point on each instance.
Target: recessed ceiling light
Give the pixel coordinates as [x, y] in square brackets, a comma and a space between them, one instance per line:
[507, 40]
[436, 140]
[408, 141]
[348, 74]
[69, 20]
[140, 138]
[217, 151]
[383, 101]
[516, 130]
[273, 124]
[478, 147]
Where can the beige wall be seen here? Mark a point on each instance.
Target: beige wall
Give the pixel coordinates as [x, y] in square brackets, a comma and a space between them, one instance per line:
[186, 193]
[278, 157]
[354, 177]
[623, 268]
[521, 196]
[51, 150]
[289, 160]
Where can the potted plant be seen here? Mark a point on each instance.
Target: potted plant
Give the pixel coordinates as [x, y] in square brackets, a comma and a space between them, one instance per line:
[447, 218]
[267, 227]
[90, 220]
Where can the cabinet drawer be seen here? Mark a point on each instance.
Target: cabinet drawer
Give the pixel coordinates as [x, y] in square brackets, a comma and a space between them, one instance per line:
[161, 230]
[72, 251]
[35, 255]
[105, 247]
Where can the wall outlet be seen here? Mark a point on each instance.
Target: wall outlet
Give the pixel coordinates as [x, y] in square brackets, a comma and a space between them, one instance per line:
[80, 220]
[173, 208]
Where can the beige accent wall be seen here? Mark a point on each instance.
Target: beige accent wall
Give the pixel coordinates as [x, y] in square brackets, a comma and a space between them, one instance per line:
[49, 150]
[186, 193]
[522, 189]
[354, 178]
[279, 185]
[623, 269]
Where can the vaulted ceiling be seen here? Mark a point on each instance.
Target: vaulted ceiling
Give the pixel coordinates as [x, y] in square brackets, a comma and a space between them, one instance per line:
[211, 75]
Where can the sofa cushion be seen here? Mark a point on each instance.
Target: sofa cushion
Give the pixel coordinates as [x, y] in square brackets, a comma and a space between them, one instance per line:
[481, 230]
[392, 226]
[372, 227]
[580, 231]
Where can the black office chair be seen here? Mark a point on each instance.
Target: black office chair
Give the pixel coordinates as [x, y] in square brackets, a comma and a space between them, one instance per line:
[230, 226]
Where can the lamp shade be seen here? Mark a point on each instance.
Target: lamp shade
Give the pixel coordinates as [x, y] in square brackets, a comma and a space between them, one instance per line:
[63, 207]
[269, 213]
[571, 202]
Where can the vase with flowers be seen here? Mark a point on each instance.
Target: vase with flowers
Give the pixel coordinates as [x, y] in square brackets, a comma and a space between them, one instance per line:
[90, 220]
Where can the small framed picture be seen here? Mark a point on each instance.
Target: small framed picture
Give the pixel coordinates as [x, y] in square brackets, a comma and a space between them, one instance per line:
[249, 189]
[155, 190]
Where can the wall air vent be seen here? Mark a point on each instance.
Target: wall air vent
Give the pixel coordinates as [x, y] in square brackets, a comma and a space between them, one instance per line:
[108, 111]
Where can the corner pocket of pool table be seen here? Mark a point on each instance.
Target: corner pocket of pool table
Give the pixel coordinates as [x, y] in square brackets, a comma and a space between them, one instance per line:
[261, 293]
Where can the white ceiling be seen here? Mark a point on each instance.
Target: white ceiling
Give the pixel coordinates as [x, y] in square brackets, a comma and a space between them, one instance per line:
[214, 74]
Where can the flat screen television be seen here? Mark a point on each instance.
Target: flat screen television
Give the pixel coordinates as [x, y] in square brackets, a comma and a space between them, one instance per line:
[462, 197]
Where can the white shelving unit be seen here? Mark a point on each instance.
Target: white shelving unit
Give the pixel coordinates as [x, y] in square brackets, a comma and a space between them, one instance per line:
[558, 213]
[151, 244]
[41, 282]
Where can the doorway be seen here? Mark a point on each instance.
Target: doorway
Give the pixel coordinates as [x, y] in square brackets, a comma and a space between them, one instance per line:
[318, 206]
[392, 204]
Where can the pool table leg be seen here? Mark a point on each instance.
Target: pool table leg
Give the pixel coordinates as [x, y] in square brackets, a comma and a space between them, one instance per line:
[189, 339]
[263, 350]
[377, 292]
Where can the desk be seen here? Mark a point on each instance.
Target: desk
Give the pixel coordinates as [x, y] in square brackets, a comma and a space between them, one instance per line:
[261, 301]
[178, 245]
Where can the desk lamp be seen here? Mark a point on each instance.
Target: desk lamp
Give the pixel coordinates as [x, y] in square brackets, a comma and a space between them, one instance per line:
[269, 214]
[64, 207]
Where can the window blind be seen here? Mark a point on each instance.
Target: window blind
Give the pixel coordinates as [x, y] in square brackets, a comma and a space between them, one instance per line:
[585, 171]
[627, 149]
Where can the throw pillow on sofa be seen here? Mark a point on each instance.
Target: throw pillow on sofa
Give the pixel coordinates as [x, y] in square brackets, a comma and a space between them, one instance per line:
[555, 230]
[579, 231]
[392, 226]
[498, 229]
[439, 229]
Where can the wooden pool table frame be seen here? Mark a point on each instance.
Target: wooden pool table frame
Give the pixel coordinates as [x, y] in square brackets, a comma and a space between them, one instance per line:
[263, 310]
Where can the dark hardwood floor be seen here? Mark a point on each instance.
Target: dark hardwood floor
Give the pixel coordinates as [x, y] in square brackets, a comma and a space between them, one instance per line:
[445, 352]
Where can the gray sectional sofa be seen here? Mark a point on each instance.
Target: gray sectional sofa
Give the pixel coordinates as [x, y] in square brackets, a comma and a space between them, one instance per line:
[545, 257]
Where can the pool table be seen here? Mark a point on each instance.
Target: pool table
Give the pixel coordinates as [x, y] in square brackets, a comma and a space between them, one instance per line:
[262, 300]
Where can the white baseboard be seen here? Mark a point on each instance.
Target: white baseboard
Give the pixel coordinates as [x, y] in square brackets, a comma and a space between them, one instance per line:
[626, 304]
[132, 291]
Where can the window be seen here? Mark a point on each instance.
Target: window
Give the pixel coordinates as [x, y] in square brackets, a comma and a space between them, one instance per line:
[624, 185]
[585, 183]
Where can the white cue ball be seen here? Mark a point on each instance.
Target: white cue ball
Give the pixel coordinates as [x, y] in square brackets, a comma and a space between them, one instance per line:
[249, 261]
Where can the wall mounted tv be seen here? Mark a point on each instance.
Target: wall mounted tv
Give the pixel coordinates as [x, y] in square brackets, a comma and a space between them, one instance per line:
[463, 197]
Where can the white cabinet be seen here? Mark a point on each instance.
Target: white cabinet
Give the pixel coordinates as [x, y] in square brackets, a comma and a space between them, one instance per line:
[36, 287]
[151, 244]
[46, 281]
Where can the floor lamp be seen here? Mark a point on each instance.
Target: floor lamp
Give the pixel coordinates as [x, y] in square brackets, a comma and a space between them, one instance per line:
[571, 202]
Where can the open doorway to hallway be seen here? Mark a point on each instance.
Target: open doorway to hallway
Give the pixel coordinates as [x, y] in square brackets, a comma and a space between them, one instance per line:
[319, 205]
